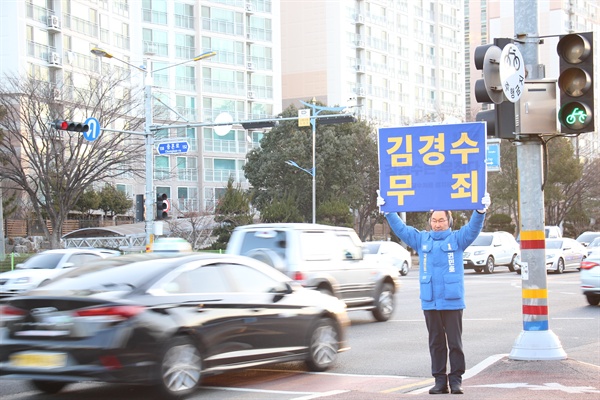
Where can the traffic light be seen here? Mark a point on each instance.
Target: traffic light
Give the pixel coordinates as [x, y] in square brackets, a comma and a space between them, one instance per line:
[576, 82]
[62, 125]
[488, 89]
[501, 120]
[162, 206]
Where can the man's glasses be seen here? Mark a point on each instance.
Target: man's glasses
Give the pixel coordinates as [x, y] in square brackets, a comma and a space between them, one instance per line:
[438, 221]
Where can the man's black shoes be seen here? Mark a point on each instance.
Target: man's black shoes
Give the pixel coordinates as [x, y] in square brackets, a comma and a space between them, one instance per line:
[456, 389]
[439, 389]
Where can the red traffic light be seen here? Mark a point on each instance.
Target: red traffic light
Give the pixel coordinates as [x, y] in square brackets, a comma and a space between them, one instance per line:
[70, 126]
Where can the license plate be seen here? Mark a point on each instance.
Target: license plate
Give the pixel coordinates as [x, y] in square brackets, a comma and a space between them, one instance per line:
[38, 360]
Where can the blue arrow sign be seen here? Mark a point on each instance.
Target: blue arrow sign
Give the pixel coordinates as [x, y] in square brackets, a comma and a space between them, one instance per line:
[173, 147]
[492, 159]
[94, 132]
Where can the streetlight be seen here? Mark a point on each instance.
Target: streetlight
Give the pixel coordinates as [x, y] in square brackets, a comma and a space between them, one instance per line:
[313, 121]
[148, 133]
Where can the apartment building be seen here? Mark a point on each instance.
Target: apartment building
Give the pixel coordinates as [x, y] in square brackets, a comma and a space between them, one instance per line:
[52, 39]
[396, 62]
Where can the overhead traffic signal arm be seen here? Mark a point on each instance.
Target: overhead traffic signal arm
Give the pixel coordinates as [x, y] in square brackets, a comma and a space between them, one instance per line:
[576, 82]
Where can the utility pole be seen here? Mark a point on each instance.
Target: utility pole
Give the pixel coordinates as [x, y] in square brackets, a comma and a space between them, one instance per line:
[2, 240]
[536, 341]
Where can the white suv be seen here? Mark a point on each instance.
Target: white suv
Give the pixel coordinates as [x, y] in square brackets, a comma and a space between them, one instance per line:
[491, 249]
[321, 257]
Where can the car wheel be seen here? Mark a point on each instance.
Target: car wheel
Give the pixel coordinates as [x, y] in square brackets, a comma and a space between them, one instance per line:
[50, 387]
[323, 346]
[560, 266]
[593, 300]
[404, 269]
[180, 368]
[489, 265]
[513, 263]
[385, 303]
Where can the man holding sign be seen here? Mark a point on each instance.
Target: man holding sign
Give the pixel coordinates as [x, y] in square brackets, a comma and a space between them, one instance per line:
[444, 171]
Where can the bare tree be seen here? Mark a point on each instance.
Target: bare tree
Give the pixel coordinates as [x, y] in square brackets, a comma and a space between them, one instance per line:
[55, 167]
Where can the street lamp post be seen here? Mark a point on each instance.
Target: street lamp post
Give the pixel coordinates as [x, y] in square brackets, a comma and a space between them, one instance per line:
[148, 132]
[315, 110]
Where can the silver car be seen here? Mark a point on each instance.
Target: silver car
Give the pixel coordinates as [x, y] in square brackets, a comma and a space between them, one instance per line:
[590, 279]
[389, 252]
[564, 253]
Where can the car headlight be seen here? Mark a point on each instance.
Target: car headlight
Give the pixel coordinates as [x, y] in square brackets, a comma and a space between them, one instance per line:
[22, 280]
[550, 256]
[479, 252]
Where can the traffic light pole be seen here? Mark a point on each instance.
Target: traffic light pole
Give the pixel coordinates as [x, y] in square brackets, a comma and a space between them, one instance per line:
[149, 146]
[536, 341]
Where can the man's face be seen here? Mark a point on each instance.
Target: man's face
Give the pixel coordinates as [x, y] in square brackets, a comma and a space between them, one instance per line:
[439, 221]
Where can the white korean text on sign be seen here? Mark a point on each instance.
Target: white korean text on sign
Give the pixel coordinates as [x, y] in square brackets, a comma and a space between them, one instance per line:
[437, 167]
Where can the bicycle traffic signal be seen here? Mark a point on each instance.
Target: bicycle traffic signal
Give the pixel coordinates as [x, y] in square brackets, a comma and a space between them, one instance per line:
[162, 206]
[500, 120]
[576, 82]
[62, 125]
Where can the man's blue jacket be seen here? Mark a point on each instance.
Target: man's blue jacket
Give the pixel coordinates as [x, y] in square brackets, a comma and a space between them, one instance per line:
[441, 271]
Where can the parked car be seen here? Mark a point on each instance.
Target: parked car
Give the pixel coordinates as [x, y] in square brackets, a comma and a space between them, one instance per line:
[166, 320]
[42, 267]
[552, 231]
[492, 249]
[590, 279]
[326, 258]
[586, 237]
[564, 253]
[389, 252]
[594, 248]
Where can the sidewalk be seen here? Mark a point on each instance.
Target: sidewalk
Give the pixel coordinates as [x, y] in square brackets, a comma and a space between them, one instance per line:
[501, 379]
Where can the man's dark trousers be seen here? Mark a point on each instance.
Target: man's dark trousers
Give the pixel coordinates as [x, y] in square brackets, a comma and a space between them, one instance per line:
[445, 334]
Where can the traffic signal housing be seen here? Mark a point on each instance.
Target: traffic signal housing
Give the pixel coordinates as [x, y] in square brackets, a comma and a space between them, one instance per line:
[501, 121]
[162, 206]
[576, 82]
[63, 125]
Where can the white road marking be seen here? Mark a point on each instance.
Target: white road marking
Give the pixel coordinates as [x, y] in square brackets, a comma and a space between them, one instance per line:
[544, 387]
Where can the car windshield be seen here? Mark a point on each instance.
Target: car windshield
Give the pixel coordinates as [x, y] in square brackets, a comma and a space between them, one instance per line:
[42, 261]
[482, 240]
[595, 243]
[553, 244]
[588, 236]
[372, 248]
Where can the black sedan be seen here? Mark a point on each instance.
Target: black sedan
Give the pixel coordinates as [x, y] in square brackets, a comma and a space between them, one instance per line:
[166, 321]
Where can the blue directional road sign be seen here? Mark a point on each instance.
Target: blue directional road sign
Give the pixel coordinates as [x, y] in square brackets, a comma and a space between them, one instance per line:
[94, 132]
[492, 159]
[173, 147]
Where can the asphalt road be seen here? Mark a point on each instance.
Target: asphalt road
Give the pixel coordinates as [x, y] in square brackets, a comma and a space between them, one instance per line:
[392, 356]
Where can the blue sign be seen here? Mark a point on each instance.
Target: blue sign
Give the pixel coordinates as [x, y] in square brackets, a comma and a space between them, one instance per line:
[173, 148]
[436, 167]
[493, 157]
[94, 132]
